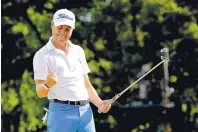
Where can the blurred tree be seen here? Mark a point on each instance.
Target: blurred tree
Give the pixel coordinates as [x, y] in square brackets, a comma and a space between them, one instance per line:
[119, 37]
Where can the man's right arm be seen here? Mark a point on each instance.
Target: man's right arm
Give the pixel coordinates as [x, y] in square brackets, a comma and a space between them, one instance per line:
[43, 87]
[44, 79]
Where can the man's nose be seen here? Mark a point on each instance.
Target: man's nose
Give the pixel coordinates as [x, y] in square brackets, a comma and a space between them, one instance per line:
[62, 31]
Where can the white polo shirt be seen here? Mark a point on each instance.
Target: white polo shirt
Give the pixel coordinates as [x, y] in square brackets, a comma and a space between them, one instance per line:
[70, 69]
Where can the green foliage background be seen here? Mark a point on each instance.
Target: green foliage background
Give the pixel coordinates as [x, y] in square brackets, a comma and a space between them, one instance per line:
[118, 36]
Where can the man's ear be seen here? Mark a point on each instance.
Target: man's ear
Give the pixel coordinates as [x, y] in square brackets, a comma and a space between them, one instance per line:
[51, 25]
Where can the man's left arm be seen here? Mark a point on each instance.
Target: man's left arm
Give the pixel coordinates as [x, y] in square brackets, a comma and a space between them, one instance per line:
[104, 106]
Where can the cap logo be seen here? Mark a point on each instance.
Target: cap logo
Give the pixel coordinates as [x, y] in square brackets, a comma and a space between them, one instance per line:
[64, 16]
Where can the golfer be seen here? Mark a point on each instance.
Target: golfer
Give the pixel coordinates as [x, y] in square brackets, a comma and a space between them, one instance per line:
[61, 75]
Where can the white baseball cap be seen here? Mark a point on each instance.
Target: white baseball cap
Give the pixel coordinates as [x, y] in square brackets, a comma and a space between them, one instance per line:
[64, 17]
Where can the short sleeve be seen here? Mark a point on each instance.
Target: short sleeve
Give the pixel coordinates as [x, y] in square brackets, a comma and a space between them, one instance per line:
[40, 66]
[85, 67]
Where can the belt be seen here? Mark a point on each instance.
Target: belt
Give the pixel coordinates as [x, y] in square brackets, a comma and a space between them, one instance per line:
[76, 103]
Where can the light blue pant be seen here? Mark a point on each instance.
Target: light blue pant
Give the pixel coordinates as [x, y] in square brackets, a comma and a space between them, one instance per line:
[70, 118]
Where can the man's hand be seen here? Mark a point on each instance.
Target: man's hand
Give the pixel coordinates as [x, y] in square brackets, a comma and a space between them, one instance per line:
[104, 106]
[51, 79]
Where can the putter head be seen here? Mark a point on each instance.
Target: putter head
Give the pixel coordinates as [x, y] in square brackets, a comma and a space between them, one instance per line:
[165, 54]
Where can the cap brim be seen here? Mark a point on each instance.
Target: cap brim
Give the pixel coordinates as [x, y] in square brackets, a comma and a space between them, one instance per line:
[71, 24]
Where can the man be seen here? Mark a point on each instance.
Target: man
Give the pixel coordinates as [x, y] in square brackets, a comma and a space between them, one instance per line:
[61, 74]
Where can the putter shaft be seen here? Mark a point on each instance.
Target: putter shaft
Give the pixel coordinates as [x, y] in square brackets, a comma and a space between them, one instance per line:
[110, 101]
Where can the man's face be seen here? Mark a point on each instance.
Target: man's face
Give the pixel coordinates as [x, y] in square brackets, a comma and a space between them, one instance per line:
[61, 33]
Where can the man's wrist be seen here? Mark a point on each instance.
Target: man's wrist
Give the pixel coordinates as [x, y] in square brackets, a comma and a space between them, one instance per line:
[47, 86]
[99, 104]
